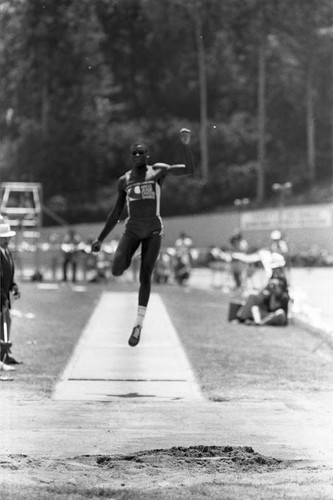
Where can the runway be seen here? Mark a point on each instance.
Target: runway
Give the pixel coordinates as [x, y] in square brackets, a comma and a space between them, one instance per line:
[103, 366]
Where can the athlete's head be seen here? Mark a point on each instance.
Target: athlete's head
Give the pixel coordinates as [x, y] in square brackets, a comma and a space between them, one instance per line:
[139, 153]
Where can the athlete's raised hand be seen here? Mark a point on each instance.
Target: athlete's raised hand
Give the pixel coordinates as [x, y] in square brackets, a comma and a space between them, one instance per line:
[185, 136]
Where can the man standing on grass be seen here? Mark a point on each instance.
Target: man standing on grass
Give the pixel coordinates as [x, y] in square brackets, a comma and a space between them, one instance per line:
[8, 287]
[140, 190]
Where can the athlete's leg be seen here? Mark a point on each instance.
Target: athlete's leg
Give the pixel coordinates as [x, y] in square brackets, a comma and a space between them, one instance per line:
[149, 254]
[150, 249]
[245, 312]
[124, 253]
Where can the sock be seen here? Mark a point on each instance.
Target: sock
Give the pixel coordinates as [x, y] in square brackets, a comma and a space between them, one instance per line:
[141, 315]
[256, 314]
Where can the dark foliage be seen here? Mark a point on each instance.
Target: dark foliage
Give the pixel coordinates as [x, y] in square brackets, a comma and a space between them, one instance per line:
[82, 79]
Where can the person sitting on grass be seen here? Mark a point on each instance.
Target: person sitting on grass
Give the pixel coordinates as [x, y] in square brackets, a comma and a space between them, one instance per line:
[269, 307]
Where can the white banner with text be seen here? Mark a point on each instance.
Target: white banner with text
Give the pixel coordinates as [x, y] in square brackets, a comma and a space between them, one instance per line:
[288, 218]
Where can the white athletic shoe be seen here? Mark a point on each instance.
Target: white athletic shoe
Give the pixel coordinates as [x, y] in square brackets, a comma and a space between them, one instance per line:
[6, 368]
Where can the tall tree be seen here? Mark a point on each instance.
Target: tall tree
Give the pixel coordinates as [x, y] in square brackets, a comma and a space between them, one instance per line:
[81, 79]
[303, 27]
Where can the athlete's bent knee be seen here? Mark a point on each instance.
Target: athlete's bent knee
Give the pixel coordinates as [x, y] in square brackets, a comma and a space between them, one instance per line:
[116, 272]
[117, 269]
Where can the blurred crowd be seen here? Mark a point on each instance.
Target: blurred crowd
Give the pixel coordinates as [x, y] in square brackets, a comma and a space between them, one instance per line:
[69, 258]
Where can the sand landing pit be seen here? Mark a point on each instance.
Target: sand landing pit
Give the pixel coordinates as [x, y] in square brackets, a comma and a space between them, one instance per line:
[211, 459]
[193, 472]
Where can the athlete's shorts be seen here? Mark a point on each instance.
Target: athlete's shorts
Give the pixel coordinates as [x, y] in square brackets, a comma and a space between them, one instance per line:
[143, 228]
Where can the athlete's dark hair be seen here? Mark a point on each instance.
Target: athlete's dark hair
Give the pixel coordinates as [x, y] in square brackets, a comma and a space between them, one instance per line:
[139, 145]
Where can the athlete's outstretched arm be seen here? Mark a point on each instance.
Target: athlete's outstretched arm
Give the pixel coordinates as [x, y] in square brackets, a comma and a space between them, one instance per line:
[186, 168]
[112, 218]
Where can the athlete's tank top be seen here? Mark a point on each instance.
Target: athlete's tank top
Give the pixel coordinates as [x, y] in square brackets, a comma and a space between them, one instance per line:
[143, 195]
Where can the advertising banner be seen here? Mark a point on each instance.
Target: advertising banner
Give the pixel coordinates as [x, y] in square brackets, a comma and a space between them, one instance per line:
[288, 218]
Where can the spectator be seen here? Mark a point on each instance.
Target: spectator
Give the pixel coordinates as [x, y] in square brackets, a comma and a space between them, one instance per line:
[184, 242]
[183, 259]
[269, 307]
[70, 248]
[54, 246]
[89, 262]
[8, 287]
[279, 245]
[163, 268]
[239, 246]
[182, 266]
[217, 261]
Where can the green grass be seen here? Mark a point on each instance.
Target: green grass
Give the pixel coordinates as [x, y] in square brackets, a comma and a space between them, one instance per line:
[228, 360]
[44, 335]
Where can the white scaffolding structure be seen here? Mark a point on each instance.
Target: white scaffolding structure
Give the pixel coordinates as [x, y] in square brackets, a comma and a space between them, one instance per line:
[21, 206]
[21, 203]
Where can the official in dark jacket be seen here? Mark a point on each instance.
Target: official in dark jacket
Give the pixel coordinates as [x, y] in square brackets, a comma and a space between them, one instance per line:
[8, 288]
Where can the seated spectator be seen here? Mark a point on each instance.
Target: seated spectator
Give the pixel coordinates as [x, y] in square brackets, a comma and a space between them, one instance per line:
[268, 307]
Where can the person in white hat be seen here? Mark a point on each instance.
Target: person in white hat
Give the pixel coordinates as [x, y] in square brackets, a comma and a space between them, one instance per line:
[279, 247]
[8, 287]
[278, 244]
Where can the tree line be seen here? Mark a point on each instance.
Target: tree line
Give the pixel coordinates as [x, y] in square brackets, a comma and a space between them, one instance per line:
[83, 79]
